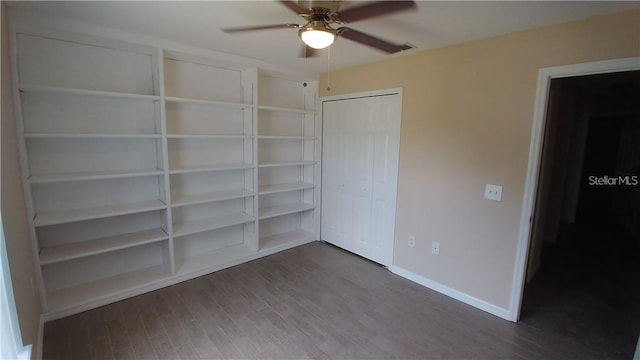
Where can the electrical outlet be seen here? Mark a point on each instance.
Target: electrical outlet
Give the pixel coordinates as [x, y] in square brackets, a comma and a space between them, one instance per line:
[411, 241]
[435, 248]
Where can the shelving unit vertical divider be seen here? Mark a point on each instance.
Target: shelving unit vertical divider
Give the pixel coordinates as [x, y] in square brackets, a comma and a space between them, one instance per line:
[168, 250]
[249, 79]
[24, 164]
[312, 128]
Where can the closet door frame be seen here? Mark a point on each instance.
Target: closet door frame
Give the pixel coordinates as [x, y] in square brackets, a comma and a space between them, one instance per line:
[394, 177]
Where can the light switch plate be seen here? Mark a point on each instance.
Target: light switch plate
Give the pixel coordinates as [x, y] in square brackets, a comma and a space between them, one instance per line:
[493, 192]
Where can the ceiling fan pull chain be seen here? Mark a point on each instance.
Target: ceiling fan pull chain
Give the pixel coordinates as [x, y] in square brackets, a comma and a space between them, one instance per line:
[329, 68]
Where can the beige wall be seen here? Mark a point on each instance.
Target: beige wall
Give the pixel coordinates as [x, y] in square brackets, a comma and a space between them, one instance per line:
[14, 215]
[467, 116]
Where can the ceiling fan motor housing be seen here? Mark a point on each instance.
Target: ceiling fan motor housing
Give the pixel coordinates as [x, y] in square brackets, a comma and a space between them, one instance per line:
[331, 6]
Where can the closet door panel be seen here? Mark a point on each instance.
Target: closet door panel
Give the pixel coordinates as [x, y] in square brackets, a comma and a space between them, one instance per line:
[361, 137]
[337, 213]
[362, 161]
[386, 138]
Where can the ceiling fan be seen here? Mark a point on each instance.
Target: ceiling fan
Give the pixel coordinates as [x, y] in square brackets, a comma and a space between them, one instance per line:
[318, 33]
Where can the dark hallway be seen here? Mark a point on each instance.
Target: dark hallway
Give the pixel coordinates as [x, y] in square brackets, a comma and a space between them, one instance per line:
[584, 278]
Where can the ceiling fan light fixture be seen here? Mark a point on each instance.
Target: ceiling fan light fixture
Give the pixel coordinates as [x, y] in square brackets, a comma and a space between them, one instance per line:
[317, 34]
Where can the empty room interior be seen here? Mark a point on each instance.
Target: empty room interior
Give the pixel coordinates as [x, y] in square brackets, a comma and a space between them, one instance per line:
[320, 179]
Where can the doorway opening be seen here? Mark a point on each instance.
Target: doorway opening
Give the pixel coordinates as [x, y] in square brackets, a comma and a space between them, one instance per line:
[583, 276]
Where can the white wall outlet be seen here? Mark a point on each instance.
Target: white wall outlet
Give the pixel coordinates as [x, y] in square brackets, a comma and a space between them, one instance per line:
[493, 192]
[435, 248]
[411, 241]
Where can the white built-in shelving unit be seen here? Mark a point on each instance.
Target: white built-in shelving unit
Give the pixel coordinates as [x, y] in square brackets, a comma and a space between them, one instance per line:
[144, 166]
[287, 161]
[210, 135]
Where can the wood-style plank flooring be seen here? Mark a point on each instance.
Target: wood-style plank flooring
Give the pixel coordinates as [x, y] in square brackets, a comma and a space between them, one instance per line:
[313, 301]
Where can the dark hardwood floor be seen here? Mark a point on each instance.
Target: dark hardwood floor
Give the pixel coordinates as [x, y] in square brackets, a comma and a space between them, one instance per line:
[314, 301]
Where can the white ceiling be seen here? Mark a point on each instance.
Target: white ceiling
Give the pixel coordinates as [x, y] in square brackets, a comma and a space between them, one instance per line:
[434, 24]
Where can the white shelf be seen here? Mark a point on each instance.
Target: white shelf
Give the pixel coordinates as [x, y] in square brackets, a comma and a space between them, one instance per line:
[290, 163]
[208, 102]
[93, 175]
[219, 167]
[67, 216]
[68, 298]
[283, 137]
[183, 200]
[85, 92]
[277, 188]
[285, 109]
[274, 211]
[91, 136]
[214, 223]
[66, 252]
[214, 260]
[285, 239]
[221, 137]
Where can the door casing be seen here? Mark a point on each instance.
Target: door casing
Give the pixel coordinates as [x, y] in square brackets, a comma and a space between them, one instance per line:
[545, 75]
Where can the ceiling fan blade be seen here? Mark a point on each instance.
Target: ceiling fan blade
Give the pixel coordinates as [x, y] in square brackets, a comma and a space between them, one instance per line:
[369, 40]
[374, 9]
[262, 27]
[293, 5]
[307, 52]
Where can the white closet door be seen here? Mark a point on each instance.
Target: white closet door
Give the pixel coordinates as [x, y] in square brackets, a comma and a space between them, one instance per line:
[361, 138]
[336, 212]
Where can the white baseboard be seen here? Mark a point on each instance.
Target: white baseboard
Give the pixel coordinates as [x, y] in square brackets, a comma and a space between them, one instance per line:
[458, 295]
